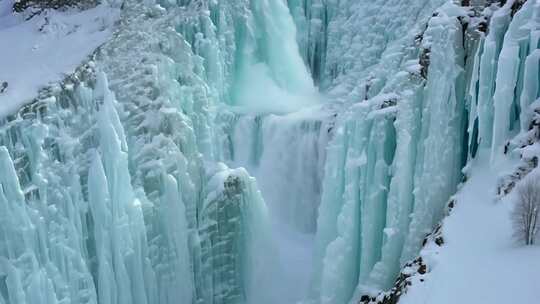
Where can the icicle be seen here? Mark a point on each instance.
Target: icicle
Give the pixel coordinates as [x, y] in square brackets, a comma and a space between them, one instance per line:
[176, 231]
[400, 199]
[488, 71]
[237, 253]
[530, 91]
[437, 169]
[509, 81]
[119, 229]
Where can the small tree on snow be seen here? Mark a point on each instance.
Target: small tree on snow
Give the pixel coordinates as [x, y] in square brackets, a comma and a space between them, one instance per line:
[526, 212]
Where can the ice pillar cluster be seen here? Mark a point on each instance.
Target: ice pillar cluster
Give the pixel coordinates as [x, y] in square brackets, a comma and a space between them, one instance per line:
[112, 186]
[416, 112]
[77, 227]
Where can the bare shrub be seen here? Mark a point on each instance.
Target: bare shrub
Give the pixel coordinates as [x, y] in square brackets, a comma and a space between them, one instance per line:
[526, 212]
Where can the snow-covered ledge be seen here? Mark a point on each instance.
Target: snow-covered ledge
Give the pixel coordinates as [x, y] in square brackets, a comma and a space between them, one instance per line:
[41, 50]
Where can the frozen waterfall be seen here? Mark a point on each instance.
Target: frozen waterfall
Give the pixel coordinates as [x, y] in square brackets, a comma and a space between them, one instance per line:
[258, 151]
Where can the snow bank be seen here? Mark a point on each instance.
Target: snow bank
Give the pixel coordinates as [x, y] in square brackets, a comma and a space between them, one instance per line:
[39, 51]
[479, 262]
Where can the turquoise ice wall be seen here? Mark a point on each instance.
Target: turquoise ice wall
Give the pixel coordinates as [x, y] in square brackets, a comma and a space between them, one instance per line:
[116, 185]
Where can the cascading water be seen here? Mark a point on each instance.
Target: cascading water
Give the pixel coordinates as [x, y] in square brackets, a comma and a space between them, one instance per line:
[286, 152]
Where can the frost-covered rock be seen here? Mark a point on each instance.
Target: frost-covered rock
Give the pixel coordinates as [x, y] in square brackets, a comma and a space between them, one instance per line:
[21, 5]
[236, 249]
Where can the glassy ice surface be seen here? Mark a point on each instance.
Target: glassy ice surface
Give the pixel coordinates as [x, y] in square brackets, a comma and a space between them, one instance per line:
[258, 151]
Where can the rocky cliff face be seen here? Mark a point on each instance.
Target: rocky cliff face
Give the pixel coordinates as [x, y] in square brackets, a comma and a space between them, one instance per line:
[36, 6]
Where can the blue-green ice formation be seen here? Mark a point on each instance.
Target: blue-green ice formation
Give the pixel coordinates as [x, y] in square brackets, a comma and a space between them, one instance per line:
[257, 151]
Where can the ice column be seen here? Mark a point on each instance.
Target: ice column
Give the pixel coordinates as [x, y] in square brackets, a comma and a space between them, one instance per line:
[119, 231]
[437, 169]
[386, 183]
[488, 70]
[352, 212]
[519, 53]
[237, 254]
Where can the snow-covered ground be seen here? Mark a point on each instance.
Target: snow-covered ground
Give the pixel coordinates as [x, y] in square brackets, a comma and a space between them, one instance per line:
[294, 267]
[479, 261]
[40, 51]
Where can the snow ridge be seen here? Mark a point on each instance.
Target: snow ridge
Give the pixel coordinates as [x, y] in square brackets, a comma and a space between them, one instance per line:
[42, 49]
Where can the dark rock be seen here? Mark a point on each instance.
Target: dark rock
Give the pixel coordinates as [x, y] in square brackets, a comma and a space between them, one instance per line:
[422, 269]
[517, 6]
[364, 298]
[483, 27]
[233, 186]
[424, 62]
[39, 5]
[3, 87]
[388, 103]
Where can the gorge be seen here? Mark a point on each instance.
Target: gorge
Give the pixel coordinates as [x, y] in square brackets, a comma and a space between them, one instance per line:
[267, 151]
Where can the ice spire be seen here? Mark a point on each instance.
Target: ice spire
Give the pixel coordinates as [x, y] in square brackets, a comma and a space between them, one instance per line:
[119, 229]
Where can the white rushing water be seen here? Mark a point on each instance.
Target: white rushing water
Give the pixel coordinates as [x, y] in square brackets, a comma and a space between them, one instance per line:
[286, 154]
